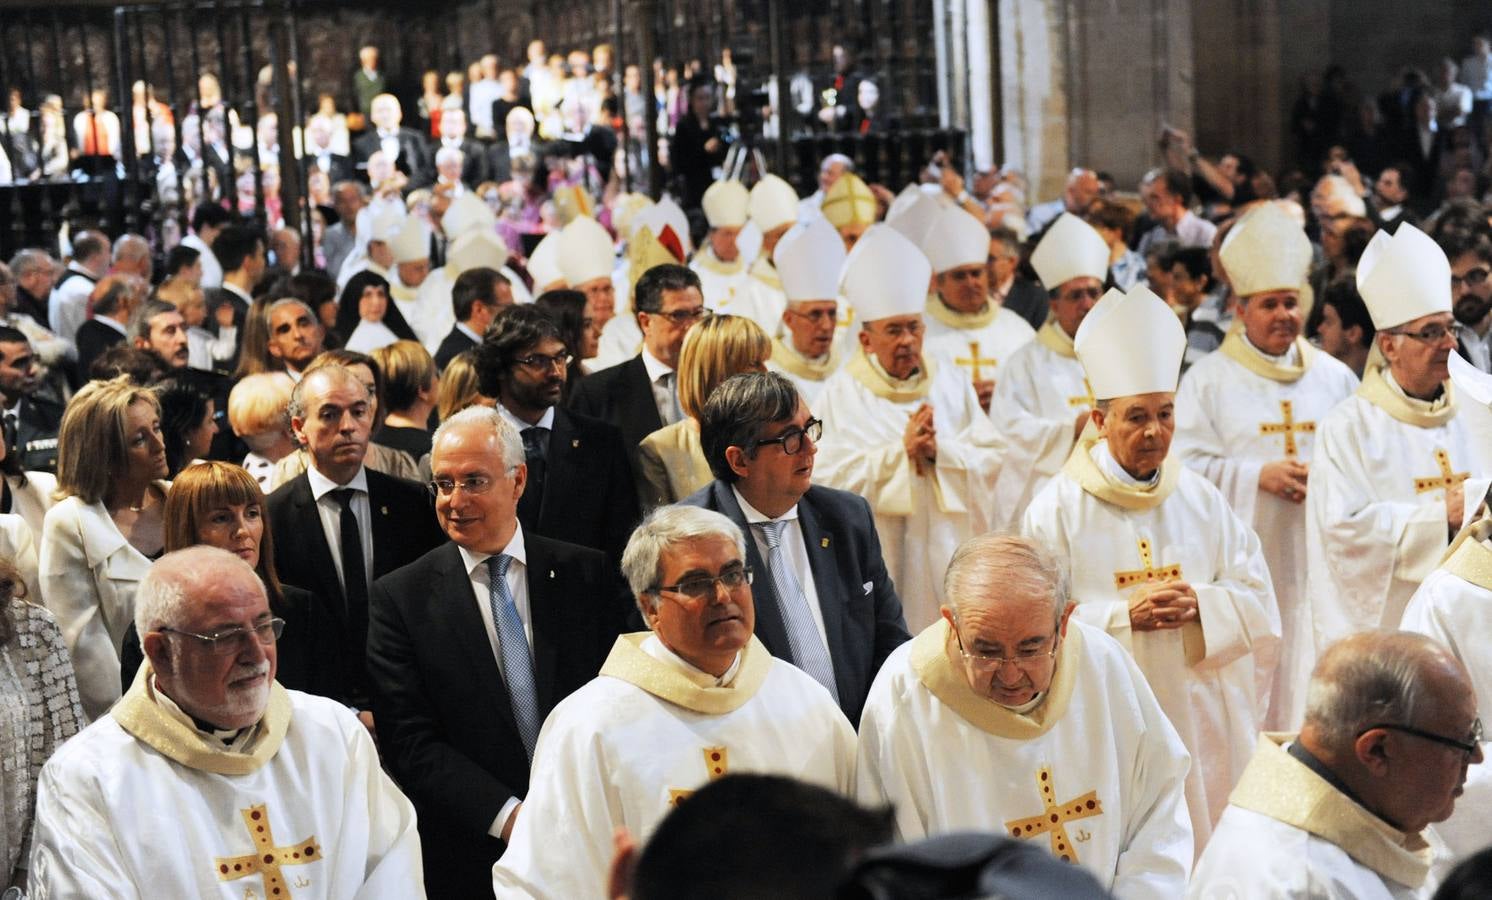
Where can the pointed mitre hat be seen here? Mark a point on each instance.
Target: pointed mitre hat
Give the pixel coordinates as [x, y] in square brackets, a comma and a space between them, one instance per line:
[1403, 277]
[885, 275]
[955, 238]
[1266, 250]
[809, 259]
[1071, 248]
[1130, 344]
[586, 251]
[725, 204]
[773, 203]
[849, 202]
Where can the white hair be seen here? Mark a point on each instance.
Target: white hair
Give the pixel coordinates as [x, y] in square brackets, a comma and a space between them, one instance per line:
[507, 436]
[181, 578]
[1366, 679]
[991, 566]
[449, 154]
[642, 561]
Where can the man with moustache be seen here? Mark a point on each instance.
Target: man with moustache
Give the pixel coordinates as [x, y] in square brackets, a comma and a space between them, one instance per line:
[696, 698]
[268, 790]
[1471, 295]
[157, 328]
[1341, 809]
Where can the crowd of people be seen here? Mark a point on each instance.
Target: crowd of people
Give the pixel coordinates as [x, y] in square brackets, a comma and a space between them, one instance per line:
[1143, 533]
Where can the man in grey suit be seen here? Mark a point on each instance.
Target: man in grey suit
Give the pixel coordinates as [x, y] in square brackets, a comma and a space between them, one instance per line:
[824, 601]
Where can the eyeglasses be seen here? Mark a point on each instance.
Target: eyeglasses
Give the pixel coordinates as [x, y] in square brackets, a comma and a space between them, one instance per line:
[1083, 293]
[471, 484]
[541, 362]
[703, 587]
[225, 643]
[1434, 334]
[1026, 660]
[817, 315]
[1468, 746]
[682, 316]
[1472, 278]
[792, 439]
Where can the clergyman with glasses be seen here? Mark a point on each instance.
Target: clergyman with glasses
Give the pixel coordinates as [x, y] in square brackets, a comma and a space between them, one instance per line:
[695, 698]
[1396, 471]
[208, 778]
[1008, 715]
[824, 601]
[1342, 808]
[473, 644]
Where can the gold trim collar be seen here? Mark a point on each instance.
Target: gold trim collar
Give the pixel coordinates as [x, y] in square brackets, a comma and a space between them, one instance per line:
[1052, 337]
[1236, 348]
[630, 663]
[1468, 557]
[797, 364]
[1081, 468]
[869, 373]
[962, 321]
[706, 258]
[1420, 413]
[140, 714]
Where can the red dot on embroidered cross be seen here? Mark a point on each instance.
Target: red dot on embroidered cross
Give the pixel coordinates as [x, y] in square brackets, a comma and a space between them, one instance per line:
[269, 857]
[223, 868]
[254, 815]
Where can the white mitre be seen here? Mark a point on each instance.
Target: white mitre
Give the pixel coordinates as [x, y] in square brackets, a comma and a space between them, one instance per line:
[809, 259]
[1071, 248]
[544, 265]
[915, 216]
[1130, 344]
[475, 250]
[1403, 277]
[410, 242]
[1266, 250]
[467, 213]
[586, 251]
[955, 238]
[725, 204]
[885, 275]
[624, 211]
[773, 203]
[385, 225]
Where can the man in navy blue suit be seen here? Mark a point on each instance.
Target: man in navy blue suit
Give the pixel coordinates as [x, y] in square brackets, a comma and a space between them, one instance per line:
[824, 601]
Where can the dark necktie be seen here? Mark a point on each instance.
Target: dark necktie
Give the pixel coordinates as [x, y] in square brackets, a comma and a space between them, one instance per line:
[12, 434]
[535, 453]
[354, 569]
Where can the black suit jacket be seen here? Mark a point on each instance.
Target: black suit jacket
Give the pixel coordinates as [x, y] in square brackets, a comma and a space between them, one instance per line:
[414, 154]
[473, 162]
[36, 434]
[445, 722]
[623, 396]
[456, 343]
[404, 528]
[862, 614]
[339, 167]
[93, 338]
[1028, 300]
[589, 495]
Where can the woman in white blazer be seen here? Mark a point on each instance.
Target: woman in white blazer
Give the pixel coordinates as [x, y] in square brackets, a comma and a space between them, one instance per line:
[98, 541]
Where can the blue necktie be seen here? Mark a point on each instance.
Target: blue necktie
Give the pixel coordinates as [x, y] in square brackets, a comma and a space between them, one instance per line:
[809, 652]
[518, 664]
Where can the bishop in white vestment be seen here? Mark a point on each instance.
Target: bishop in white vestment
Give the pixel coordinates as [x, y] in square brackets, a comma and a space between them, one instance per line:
[1158, 559]
[660, 234]
[805, 347]
[1005, 716]
[963, 323]
[1396, 471]
[208, 779]
[904, 430]
[774, 210]
[1246, 419]
[696, 699]
[719, 264]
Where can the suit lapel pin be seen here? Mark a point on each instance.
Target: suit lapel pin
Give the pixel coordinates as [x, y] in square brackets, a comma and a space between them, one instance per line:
[384, 510]
[575, 444]
[824, 543]
[551, 573]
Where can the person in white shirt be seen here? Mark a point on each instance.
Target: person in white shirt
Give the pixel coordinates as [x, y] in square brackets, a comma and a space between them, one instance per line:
[68, 307]
[1166, 193]
[483, 93]
[1453, 100]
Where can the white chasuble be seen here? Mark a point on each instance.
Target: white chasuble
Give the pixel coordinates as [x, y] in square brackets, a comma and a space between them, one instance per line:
[1236, 411]
[807, 375]
[643, 735]
[1375, 511]
[921, 517]
[761, 298]
[1097, 753]
[979, 343]
[1211, 675]
[1289, 833]
[143, 805]
[722, 283]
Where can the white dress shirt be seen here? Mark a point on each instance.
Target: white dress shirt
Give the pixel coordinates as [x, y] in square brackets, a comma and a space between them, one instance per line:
[545, 421]
[331, 517]
[212, 270]
[481, 588]
[797, 552]
[665, 384]
[656, 649]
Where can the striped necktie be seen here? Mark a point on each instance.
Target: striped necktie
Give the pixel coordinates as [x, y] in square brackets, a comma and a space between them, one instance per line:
[809, 652]
[518, 663]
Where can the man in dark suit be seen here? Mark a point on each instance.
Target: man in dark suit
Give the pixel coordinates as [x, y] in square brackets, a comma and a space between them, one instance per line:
[319, 153]
[473, 154]
[823, 598]
[341, 525]
[241, 251]
[472, 645]
[113, 304]
[476, 298]
[403, 145]
[580, 488]
[641, 395]
[30, 422]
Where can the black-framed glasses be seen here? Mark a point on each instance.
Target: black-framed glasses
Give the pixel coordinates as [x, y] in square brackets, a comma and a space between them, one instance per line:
[471, 484]
[682, 316]
[543, 362]
[1434, 334]
[1473, 278]
[792, 439]
[702, 587]
[1026, 660]
[225, 643]
[1468, 746]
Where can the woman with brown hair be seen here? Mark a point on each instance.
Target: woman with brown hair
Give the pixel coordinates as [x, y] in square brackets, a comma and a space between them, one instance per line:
[221, 505]
[107, 526]
[671, 460]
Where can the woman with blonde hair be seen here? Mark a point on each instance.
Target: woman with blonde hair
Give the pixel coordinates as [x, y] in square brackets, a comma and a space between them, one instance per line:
[108, 524]
[460, 386]
[671, 460]
[410, 390]
[221, 505]
[258, 412]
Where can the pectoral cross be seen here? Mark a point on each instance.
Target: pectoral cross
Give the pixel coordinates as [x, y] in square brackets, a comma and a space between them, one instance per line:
[1083, 399]
[1053, 821]
[268, 858]
[1446, 479]
[717, 763]
[1288, 428]
[974, 361]
[1149, 573]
